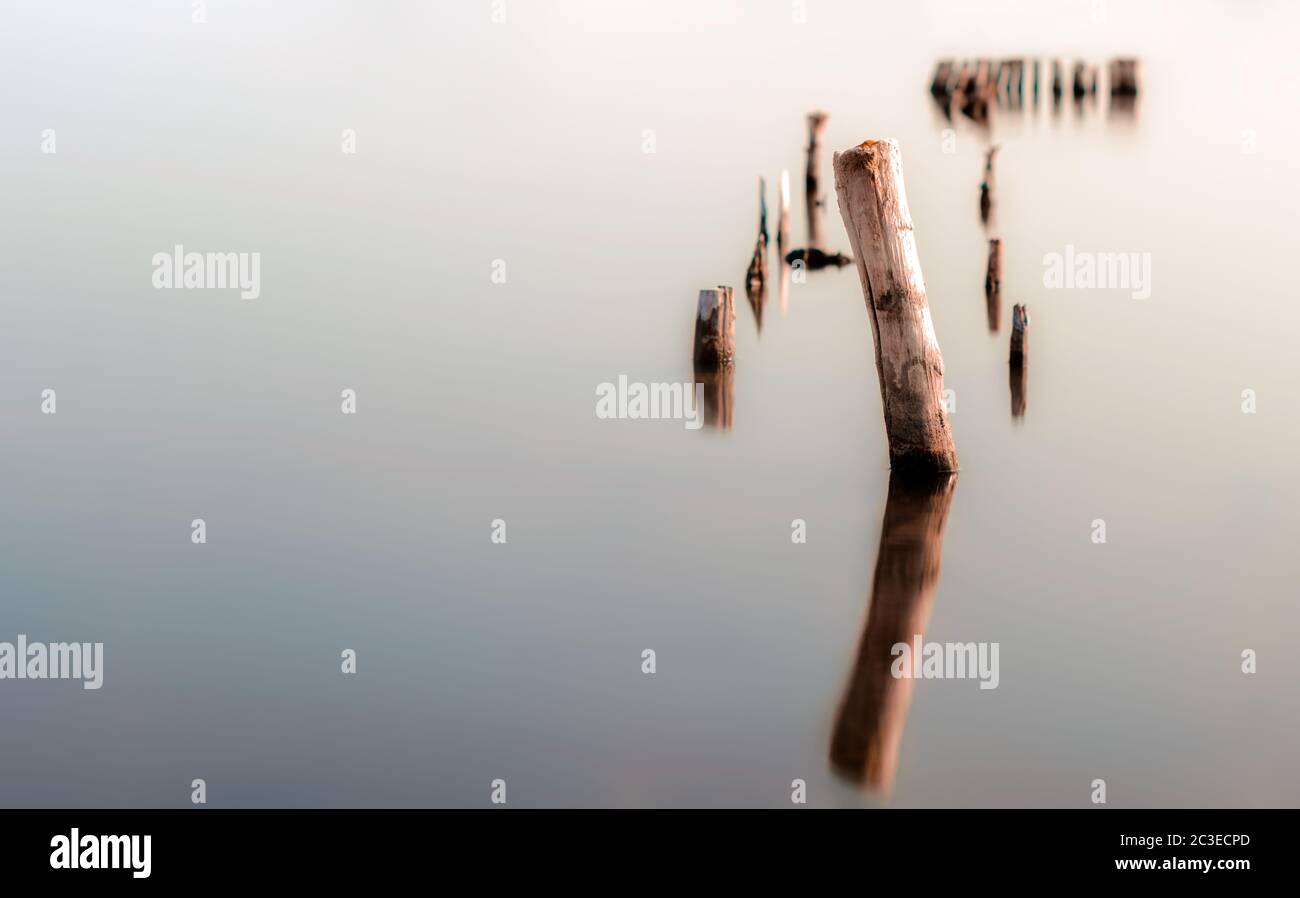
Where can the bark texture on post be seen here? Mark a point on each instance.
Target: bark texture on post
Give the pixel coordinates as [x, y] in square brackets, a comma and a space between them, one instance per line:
[715, 329]
[873, 203]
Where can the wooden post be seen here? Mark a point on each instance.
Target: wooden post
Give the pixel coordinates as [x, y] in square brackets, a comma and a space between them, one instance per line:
[873, 712]
[993, 279]
[942, 75]
[756, 276]
[715, 329]
[1019, 333]
[811, 182]
[1019, 358]
[1123, 77]
[783, 242]
[783, 221]
[986, 186]
[873, 204]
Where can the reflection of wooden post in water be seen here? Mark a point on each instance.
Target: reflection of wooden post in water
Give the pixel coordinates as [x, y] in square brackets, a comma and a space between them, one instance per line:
[719, 394]
[993, 285]
[715, 329]
[873, 204]
[1019, 358]
[869, 726]
[816, 128]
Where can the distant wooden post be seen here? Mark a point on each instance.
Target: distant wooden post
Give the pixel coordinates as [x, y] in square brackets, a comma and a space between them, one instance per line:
[873, 204]
[1019, 358]
[1123, 77]
[811, 181]
[783, 220]
[993, 279]
[1019, 333]
[783, 241]
[715, 329]
[986, 186]
[756, 275]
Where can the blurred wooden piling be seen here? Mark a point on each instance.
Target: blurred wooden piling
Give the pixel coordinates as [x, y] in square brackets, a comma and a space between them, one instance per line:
[873, 204]
[1080, 80]
[1123, 75]
[993, 279]
[1019, 333]
[811, 181]
[1019, 369]
[986, 186]
[756, 276]
[783, 217]
[715, 329]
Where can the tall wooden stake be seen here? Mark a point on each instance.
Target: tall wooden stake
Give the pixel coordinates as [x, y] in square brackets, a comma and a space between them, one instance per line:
[873, 204]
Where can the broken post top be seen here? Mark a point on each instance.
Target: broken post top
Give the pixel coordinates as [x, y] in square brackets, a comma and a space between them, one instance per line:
[897, 270]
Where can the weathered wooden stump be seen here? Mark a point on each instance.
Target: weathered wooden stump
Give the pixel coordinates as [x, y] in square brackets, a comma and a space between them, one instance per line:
[715, 329]
[873, 204]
